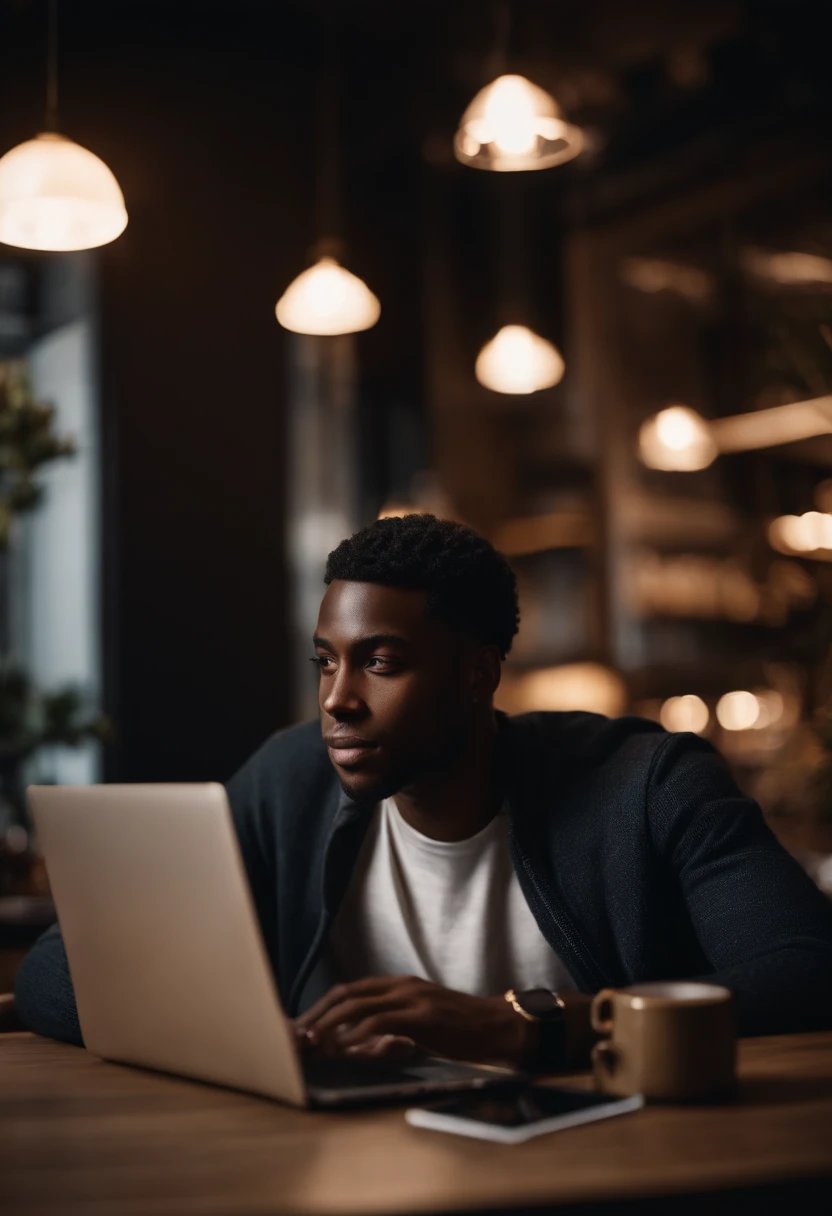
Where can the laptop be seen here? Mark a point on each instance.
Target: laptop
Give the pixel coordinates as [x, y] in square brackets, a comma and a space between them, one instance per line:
[168, 964]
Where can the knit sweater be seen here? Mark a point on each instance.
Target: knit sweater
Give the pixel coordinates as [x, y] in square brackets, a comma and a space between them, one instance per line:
[638, 855]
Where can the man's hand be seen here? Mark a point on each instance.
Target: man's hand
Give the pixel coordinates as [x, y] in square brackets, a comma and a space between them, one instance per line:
[386, 1015]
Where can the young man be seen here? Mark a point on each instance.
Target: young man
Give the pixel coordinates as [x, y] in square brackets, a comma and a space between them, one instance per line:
[427, 870]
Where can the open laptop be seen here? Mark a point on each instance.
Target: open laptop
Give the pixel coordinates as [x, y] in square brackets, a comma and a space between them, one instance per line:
[167, 961]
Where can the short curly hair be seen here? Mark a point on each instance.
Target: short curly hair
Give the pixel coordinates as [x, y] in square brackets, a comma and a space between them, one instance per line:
[469, 584]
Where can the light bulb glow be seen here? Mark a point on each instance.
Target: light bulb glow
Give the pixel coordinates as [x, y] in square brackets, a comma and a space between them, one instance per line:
[327, 299]
[587, 686]
[517, 361]
[771, 705]
[513, 125]
[808, 533]
[686, 713]
[57, 196]
[677, 439]
[738, 711]
[787, 269]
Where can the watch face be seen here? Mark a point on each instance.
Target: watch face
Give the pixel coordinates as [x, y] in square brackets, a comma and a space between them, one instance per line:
[540, 1003]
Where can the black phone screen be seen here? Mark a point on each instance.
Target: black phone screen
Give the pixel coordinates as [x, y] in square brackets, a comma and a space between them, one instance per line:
[519, 1108]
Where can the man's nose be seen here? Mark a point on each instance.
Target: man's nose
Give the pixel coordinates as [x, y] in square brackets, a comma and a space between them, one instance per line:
[342, 697]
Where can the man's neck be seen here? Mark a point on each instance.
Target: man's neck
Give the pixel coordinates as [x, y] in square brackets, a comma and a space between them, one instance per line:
[461, 800]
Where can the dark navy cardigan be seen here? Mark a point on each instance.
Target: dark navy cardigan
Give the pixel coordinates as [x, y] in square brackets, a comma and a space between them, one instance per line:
[638, 855]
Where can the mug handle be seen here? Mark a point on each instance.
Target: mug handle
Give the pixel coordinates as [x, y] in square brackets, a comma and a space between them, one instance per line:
[605, 1056]
[601, 1012]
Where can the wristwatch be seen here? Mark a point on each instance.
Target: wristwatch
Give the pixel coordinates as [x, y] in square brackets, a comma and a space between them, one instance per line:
[548, 1010]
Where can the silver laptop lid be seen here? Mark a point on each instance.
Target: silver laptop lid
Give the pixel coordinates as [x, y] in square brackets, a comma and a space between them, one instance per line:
[164, 948]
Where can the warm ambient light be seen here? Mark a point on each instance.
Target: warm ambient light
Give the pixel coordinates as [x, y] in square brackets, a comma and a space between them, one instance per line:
[654, 275]
[518, 361]
[787, 269]
[327, 299]
[57, 196]
[772, 707]
[751, 710]
[512, 125]
[680, 439]
[677, 439]
[688, 713]
[810, 533]
[398, 510]
[587, 686]
[738, 711]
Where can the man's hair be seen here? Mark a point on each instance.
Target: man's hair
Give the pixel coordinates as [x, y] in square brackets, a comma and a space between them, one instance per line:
[469, 585]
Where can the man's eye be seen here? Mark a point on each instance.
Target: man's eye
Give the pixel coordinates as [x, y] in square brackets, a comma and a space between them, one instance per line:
[379, 663]
[321, 660]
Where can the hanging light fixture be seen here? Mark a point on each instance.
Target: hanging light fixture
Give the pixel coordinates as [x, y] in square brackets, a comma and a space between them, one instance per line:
[54, 194]
[513, 125]
[326, 298]
[677, 438]
[518, 361]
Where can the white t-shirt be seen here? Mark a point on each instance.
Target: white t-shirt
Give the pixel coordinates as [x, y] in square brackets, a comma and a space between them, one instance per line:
[451, 912]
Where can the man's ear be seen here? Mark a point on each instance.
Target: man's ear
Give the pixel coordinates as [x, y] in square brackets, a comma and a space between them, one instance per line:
[485, 673]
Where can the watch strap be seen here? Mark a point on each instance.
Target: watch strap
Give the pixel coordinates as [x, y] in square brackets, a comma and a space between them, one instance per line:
[551, 1043]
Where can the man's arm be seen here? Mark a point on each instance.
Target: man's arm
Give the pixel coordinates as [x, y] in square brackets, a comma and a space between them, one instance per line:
[761, 922]
[43, 993]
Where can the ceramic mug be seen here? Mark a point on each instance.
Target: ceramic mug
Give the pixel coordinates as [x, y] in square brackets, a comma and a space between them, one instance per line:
[672, 1041]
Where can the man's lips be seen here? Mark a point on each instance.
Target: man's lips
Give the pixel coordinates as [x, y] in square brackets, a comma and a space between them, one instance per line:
[345, 752]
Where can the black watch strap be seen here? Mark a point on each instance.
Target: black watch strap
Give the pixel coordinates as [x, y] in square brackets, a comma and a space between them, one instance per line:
[546, 1009]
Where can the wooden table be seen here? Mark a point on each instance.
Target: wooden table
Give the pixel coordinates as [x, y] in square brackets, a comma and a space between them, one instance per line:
[78, 1135]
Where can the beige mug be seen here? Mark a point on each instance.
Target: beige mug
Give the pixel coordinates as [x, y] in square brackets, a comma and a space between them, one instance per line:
[671, 1041]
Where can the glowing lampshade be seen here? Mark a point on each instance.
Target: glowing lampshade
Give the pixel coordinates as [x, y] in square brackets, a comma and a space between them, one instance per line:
[677, 439]
[56, 195]
[518, 361]
[512, 125]
[327, 299]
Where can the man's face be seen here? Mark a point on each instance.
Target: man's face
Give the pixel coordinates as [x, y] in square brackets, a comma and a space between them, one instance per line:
[395, 687]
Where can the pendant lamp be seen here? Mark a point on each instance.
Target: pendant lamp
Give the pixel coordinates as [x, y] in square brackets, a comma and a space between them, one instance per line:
[54, 194]
[326, 298]
[518, 361]
[513, 125]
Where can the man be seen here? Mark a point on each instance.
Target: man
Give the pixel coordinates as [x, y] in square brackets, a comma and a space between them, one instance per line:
[431, 871]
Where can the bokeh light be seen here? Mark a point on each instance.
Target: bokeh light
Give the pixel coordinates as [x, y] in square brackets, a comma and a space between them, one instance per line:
[685, 713]
[677, 439]
[738, 710]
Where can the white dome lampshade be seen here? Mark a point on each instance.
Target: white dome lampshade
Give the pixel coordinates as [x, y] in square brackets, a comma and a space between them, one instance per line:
[327, 299]
[513, 125]
[56, 195]
[677, 439]
[518, 361]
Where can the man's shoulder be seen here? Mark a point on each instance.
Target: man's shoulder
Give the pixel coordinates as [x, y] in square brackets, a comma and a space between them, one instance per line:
[622, 761]
[291, 758]
[588, 739]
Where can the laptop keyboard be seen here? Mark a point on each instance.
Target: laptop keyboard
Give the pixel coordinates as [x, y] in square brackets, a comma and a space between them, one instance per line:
[339, 1073]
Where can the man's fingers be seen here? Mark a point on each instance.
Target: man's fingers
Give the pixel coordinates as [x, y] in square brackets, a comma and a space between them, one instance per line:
[384, 1046]
[342, 992]
[353, 1010]
[398, 1022]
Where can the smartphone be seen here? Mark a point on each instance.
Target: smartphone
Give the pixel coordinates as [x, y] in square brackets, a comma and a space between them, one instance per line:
[519, 1115]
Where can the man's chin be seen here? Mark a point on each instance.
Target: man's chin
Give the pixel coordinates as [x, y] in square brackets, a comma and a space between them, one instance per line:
[368, 787]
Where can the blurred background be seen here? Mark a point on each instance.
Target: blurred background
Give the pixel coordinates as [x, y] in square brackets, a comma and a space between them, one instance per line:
[604, 340]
